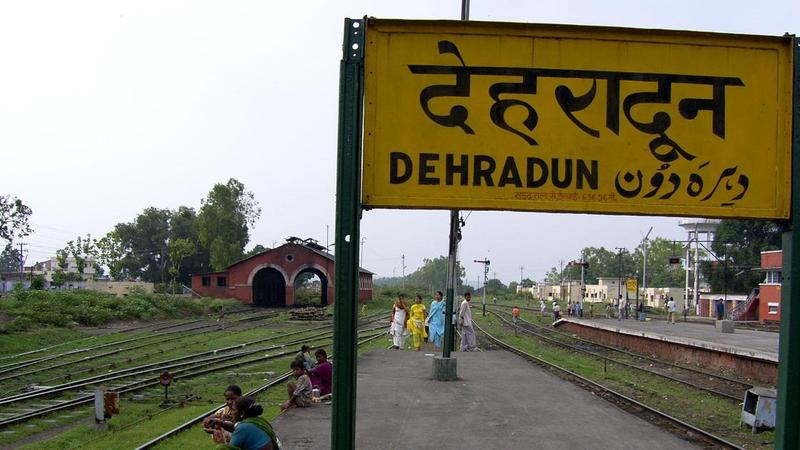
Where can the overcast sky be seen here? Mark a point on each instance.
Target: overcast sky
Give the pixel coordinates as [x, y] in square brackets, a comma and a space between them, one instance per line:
[109, 107]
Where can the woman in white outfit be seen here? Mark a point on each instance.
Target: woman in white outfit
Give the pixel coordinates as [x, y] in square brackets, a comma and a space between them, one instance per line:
[398, 323]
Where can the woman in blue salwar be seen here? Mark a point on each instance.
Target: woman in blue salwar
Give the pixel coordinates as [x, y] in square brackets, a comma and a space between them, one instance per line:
[436, 320]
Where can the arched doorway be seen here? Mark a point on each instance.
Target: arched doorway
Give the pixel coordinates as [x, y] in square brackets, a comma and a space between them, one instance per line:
[269, 288]
[310, 288]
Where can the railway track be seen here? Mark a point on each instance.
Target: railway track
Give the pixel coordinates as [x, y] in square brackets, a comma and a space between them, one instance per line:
[157, 340]
[192, 422]
[715, 384]
[10, 367]
[685, 430]
[144, 376]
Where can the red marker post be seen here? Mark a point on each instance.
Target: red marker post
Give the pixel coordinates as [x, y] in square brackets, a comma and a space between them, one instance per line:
[165, 379]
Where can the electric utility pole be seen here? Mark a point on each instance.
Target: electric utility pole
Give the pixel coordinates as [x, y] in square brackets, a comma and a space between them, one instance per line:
[22, 263]
[403, 267]
[644, 265]
[485, 263]
[619, 280]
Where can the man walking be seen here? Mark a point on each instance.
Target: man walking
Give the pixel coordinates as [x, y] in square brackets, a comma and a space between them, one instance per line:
[671, 311]
[465, 324]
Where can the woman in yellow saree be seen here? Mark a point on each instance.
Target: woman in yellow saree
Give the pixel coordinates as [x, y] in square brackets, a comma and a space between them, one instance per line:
[416, 322]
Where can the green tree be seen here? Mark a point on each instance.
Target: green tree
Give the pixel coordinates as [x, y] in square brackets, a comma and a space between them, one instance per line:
[512, 287]
[110, 252]
[83, 249]
[145, 241]
[495, 287]
[179, 249]
[433, 274]
[224, 222]
[183, 225]
[14, 216]
[737, 246]
[255, 250]
[10, 259]
[659, 272]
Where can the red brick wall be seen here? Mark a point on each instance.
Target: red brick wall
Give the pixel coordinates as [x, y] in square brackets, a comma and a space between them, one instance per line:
[769, 293]
[772, 259]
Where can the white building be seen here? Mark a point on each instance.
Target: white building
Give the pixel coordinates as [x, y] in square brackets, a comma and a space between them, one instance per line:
[49, 267]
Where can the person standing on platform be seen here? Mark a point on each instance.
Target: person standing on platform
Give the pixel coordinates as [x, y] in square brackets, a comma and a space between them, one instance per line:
[556, 311]
[578, 309]
[620, 307]
[465, 324]
[515, 315]
[436, 320]
[416, 322]
[720, 309]
[685, 312]
[671, 311]
[398, 323]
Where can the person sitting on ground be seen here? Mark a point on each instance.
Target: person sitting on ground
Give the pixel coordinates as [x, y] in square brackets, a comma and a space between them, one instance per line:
[322, 374]
[251, 432]
[226, 414]
[299, 391]
[304, 356]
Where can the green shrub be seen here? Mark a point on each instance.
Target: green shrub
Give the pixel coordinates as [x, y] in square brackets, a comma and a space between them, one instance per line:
[32, 308]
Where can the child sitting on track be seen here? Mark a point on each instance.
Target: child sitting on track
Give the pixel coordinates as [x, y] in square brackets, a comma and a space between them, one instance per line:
[299, 391]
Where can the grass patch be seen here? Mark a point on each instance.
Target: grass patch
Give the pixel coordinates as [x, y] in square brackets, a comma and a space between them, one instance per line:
[20, 342]
[35, 309]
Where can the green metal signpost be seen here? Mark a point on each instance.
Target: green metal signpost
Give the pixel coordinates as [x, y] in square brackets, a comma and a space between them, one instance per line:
[348, 215]
[787, 432]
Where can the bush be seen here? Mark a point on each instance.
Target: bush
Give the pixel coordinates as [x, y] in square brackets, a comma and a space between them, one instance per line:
[33, 308]
[37, 283]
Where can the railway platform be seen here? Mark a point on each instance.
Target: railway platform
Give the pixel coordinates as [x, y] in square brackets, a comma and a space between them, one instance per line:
[500, 401]
[750, 353]
[749, 343]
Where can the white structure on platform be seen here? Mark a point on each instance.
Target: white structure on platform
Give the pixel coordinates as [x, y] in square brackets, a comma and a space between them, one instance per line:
[700, 235]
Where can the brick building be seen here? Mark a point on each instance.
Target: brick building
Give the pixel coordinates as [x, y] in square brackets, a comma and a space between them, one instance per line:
[769, 291]
[268, 278]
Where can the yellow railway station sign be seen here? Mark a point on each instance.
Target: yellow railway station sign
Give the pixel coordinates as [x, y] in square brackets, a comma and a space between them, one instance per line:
[489, 116]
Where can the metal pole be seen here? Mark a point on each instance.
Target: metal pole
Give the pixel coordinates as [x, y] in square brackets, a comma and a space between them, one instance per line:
[644, 263]
[787, 433]
[449, 332]
[348, 209]
[696, 289]
[686, 273]
[449, 338]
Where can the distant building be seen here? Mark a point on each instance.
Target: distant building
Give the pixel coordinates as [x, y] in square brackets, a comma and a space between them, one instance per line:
[769, 291]
[49, 267]
[268, 278]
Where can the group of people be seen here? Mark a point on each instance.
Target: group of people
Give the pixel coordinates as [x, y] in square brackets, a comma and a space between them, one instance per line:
[238, 425]
[427, 325]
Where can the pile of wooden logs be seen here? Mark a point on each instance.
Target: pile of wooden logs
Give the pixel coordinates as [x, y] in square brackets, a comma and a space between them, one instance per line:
[309, 313]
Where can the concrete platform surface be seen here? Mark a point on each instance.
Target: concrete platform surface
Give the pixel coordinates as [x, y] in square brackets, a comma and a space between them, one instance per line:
[500, 402]
[750, 343]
